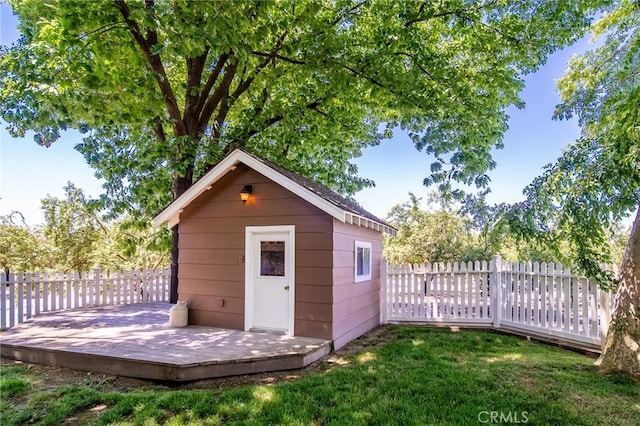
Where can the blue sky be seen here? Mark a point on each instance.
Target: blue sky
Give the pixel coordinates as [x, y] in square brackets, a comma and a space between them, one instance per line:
[29, 172]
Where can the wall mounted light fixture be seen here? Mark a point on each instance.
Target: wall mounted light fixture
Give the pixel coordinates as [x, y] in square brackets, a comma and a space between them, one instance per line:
[246, 191]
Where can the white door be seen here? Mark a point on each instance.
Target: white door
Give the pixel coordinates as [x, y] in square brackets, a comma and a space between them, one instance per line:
[269, 278]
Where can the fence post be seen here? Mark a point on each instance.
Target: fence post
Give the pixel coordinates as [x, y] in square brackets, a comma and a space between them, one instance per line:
[384, 297]
[12, 298]
[4, 281]
[95, 288]
[29, 296]
[495, 291]
[19, 300]
[604, 314]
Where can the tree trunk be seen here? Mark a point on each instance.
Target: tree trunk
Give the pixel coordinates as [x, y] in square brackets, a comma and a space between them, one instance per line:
[173, 287]
[621, 352]
[180, 186]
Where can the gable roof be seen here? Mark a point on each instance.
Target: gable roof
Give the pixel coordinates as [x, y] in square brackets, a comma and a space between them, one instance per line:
[318, 195]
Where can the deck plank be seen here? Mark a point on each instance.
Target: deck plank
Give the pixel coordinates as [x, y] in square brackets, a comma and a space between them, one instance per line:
[136, 341]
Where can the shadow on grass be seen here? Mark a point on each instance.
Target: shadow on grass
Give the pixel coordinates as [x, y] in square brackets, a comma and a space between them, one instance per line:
[415, 376]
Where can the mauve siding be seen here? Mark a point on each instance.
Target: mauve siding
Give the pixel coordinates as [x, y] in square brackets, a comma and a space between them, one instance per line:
[356, 306]
[212, 239]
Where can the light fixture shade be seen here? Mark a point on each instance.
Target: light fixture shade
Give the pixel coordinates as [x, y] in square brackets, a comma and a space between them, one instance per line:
[246, 191]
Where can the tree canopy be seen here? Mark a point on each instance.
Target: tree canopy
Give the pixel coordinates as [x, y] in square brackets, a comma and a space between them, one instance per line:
[596, 181]
[423, 236]
[471, 230]
[73, 228]
[75, 236]
[163, 90]
[20, 248]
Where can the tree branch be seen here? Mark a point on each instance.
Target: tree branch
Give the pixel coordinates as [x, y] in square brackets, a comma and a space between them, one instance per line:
[155, 63]
[101, 30]
[221, 92]
[357, 73]
[195, 67]
[241, 141]
[496, 30]
[341, 17]
[211, 81]
[244, 84]
[442, 14]
[159, 129]
[415, 62]
[278, 56]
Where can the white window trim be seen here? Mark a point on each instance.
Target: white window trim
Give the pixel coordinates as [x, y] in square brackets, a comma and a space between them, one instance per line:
[366, 277]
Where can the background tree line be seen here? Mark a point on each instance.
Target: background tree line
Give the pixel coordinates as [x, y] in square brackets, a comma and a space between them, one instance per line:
[440, 230]
[77, 236]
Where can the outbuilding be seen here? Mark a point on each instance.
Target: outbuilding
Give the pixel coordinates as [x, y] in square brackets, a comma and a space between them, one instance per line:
[264, 248]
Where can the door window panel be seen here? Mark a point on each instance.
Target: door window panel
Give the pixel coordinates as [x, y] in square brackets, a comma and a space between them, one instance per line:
[272, 259]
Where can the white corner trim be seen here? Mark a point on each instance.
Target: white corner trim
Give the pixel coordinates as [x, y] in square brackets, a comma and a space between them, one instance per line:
[173, 221]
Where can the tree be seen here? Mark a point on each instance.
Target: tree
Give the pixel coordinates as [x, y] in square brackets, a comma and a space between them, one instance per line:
[426, 236]
[21, 250]
[491, 225]
[596, 181]
[443, 233]
[132, 244]
[79, 237]
[73, 228]
[487, 221]
[164, 89]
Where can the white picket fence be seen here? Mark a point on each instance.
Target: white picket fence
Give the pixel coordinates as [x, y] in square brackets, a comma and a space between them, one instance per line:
[25, 295]
[541, 300]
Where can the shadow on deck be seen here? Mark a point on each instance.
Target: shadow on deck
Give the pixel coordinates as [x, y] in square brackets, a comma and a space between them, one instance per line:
[136, 341]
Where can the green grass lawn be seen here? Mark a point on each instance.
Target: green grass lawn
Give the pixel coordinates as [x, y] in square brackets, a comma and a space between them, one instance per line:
[408, 375]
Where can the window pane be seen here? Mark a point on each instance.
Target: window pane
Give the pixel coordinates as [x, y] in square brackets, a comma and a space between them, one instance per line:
[366, 261]
[360, 261]
[272, 258]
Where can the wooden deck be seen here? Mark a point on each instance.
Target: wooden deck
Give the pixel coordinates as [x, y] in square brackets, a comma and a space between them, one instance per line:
[136, 341]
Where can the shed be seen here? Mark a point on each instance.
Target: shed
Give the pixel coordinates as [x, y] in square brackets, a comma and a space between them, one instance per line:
[294, 258]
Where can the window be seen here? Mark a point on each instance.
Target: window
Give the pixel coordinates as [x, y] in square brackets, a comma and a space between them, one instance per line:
[272, 258]
[363, 261]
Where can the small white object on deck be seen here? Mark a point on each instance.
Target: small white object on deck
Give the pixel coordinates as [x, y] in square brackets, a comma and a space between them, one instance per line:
[179, 314]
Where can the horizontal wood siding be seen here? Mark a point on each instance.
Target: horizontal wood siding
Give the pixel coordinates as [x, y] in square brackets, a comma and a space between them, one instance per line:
[356, 306]
[212, 238]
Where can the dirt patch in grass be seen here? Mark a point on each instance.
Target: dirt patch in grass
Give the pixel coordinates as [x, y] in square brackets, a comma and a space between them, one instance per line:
[51, 378]
[54, 377]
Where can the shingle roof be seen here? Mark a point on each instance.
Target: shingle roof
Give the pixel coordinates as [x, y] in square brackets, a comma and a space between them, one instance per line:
[321, 190]
[329, 201]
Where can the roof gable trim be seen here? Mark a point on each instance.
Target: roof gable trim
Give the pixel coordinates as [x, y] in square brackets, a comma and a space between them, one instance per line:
[171, 215]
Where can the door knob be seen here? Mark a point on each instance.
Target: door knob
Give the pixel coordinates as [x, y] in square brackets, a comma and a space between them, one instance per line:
[286, 287]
